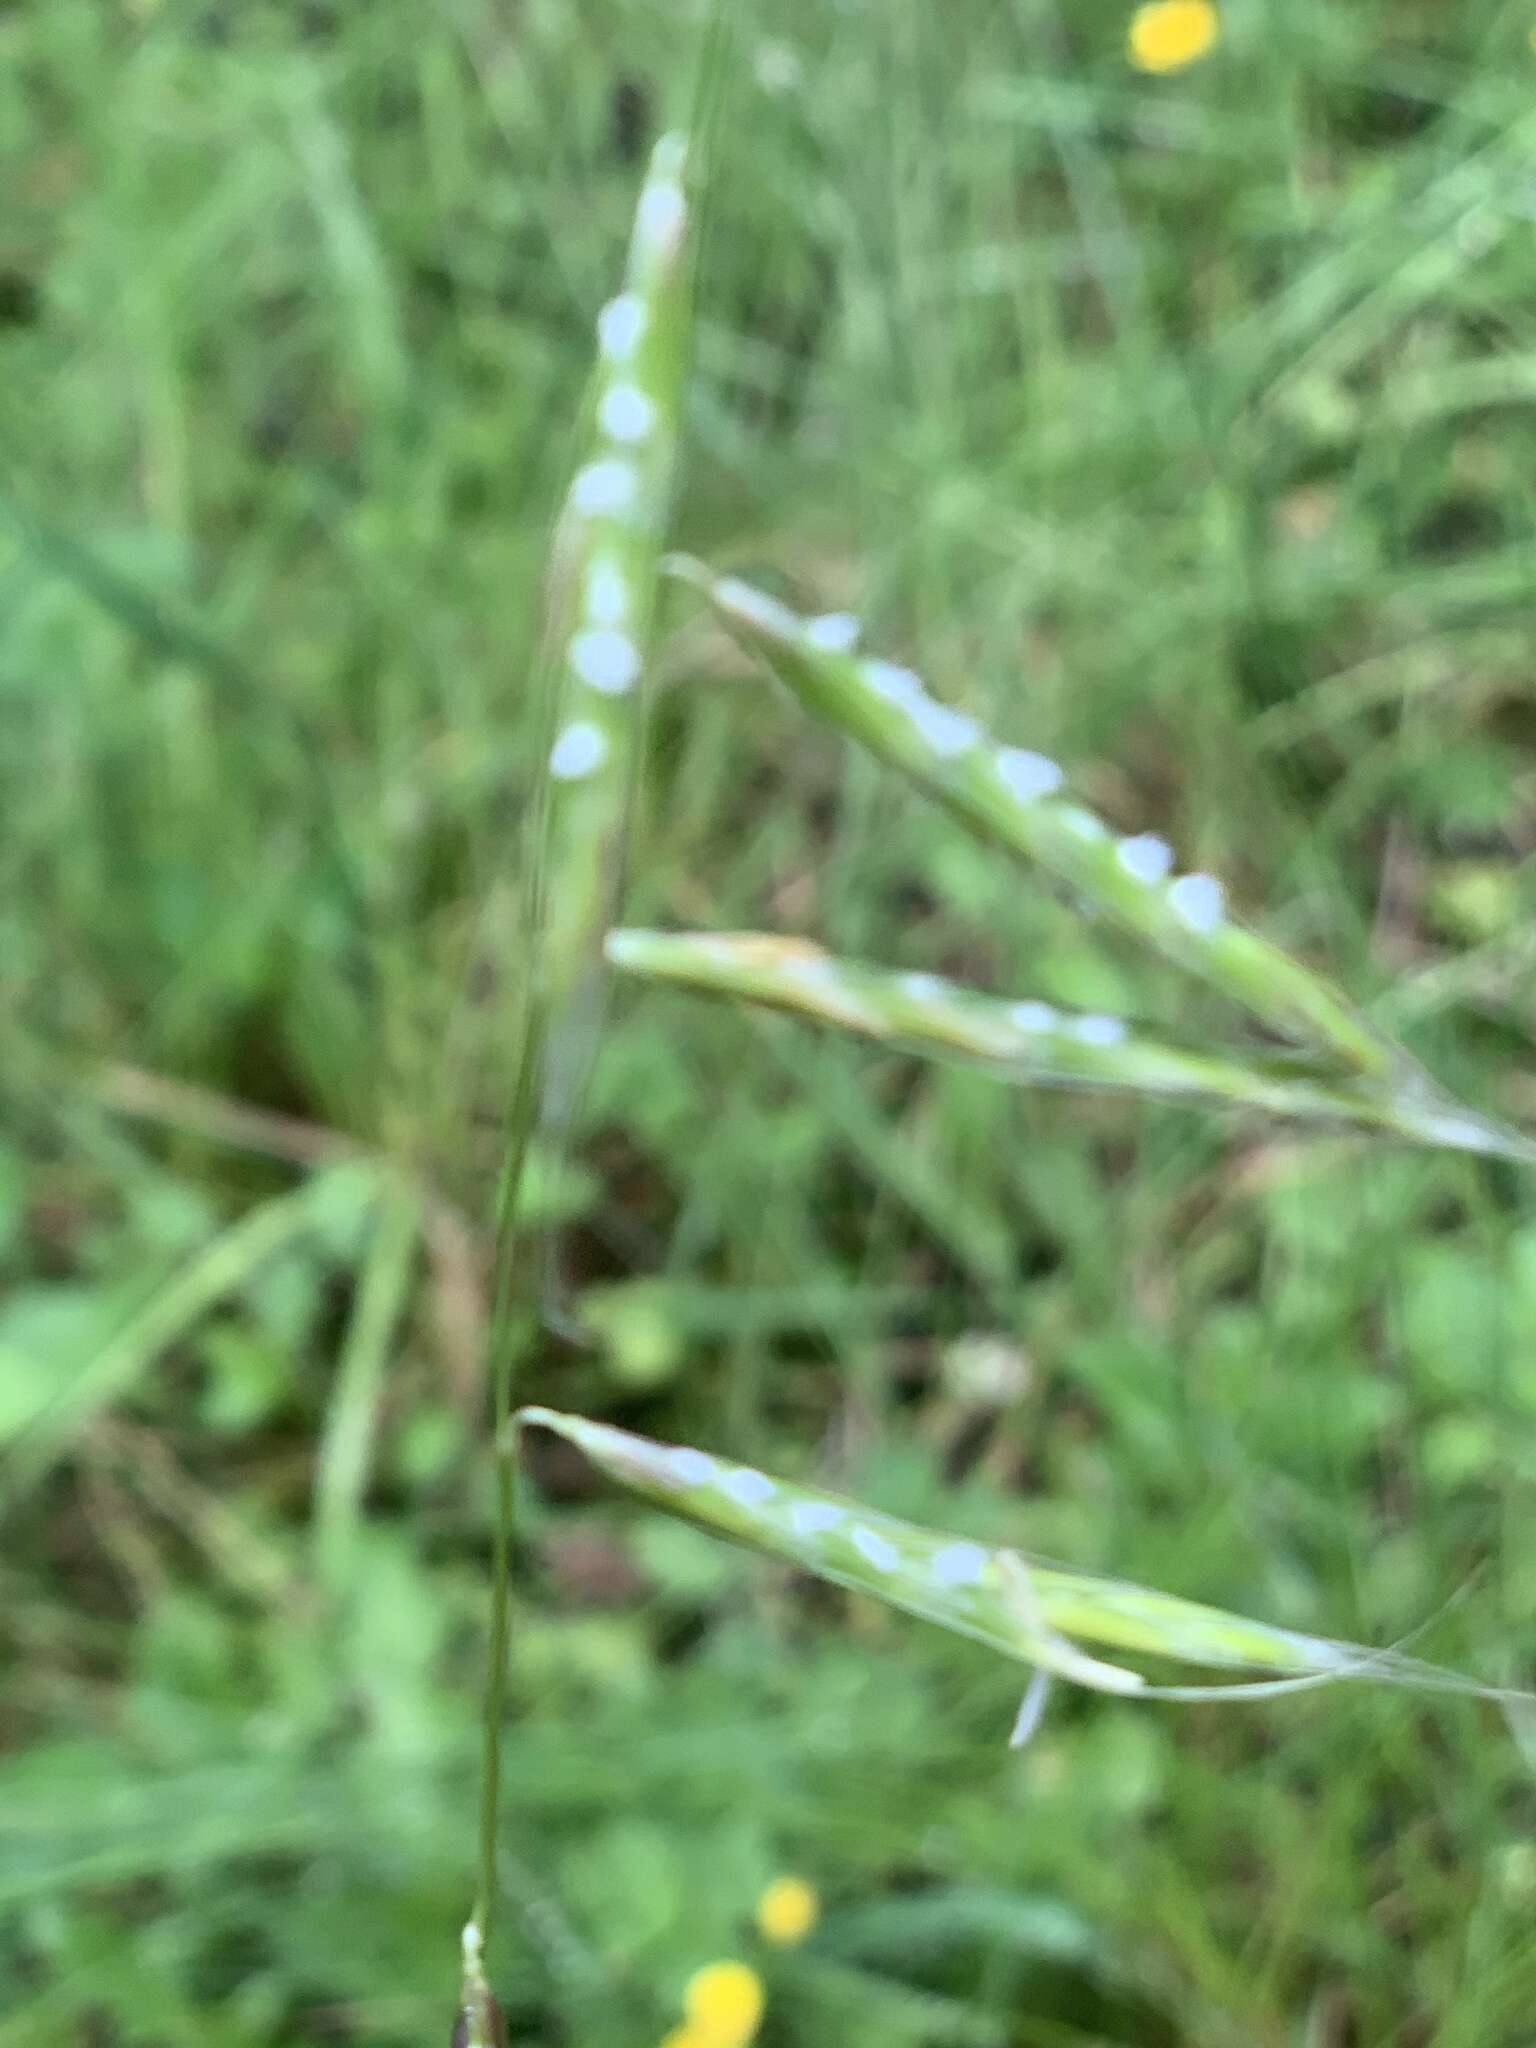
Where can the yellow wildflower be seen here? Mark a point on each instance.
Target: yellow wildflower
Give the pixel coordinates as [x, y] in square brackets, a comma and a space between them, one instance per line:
[686, 2037]
[1165, 35]
[788, 1910]
[723, 2004]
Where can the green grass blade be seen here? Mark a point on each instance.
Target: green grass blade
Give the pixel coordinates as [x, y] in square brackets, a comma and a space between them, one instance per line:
[230, 1262]
[1031, 1613]
[341, 1468]
[1032, 1042]
[1015, 797]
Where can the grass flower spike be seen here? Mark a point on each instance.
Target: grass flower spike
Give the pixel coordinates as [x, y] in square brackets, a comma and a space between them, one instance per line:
[1031, 1042]
[1017, 798]
[1030, 1613]
[1170, 35]
[602, 595]
[605, 570]
[787, 1911]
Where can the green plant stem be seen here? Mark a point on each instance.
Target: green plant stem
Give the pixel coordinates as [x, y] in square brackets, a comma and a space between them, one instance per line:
[509, 1245]
[341, 1471]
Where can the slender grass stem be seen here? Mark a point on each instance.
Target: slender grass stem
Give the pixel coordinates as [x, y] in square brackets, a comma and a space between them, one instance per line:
[502, 1341]
[603, 604]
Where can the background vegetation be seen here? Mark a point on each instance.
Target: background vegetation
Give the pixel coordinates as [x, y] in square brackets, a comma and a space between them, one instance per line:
[1183, 427]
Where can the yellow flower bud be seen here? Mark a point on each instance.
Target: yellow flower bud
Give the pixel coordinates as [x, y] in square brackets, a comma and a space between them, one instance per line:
[788, 1910]
[723, 2004]
[1165, 35]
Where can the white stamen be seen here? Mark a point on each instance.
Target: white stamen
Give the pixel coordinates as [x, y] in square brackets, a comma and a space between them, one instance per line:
[607, 660]
[1034, 1016]
[1198, 900]
[755, 605]
[1083, 824]
[607, 593]
[620, 326]
[833, 632]
[815, 1517]
[748, 1488]
[947, 732]
[669, 156]
[922, 988]
[694, 1468]
[958, 1564]
[661, 212]
[604, 487]
[875, 1550]
[897, 685]
[1097, 1029]
[626, 413]
[817, 970]
[578, 749]
[1146, 857]
[1031, 1709]
[1463, 1132]
[1028, 775]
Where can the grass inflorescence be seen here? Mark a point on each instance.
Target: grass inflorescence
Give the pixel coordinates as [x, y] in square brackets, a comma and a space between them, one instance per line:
[1154, 382]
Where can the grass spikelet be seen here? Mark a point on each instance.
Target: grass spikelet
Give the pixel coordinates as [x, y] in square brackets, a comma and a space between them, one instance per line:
[605, 573]
[1034, 1614]
[1032, 1042]
[1017, 798]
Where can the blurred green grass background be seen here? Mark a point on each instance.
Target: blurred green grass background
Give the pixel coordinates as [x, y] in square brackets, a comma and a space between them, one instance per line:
[1180, 427]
